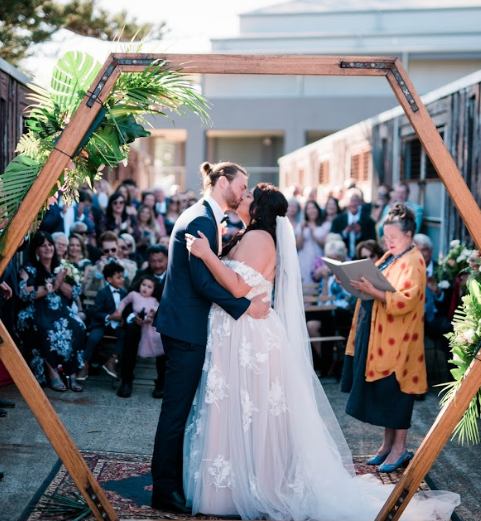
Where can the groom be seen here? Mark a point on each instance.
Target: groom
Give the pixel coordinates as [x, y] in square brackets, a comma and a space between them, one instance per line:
[182, 318]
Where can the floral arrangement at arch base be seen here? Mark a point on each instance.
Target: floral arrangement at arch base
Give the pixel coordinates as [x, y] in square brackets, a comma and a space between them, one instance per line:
[120, 122]
[465, 343]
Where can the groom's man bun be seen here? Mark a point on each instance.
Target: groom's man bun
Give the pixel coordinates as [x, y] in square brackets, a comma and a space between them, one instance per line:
[211, 173]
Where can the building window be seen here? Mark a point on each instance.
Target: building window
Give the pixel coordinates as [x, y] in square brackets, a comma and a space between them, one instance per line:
[324, 173]
[360, 165]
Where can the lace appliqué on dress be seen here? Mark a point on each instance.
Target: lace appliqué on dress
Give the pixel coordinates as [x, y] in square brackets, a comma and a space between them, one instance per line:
[221, 473]
[277, 400]
[248, 408]
[216, 388]
[249, 359]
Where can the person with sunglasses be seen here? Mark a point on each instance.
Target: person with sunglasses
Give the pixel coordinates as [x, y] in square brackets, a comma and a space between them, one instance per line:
[117, 219]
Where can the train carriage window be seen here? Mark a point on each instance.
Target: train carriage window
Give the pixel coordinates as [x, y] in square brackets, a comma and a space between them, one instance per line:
[417, 165]
[360, 165]
[324, 173]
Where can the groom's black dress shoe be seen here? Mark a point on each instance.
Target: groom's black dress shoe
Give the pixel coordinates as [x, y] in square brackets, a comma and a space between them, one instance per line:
[125, 390]
[173, 502]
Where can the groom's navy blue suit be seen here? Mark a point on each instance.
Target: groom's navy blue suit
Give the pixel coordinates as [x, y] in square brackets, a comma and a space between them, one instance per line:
[181, 318]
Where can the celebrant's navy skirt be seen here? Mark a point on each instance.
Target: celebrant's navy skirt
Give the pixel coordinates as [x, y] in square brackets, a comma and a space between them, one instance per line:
[381, 402]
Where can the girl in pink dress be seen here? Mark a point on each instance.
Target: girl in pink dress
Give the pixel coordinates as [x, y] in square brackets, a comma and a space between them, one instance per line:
[144, 306]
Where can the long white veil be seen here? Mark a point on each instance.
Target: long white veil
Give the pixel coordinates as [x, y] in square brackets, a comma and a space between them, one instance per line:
[289, 305]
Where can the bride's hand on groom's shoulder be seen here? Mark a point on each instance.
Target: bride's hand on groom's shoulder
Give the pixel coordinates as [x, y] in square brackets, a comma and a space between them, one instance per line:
[258, 308]
[198, 246]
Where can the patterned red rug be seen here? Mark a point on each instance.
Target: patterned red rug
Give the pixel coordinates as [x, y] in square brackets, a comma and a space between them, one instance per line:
[127, 484]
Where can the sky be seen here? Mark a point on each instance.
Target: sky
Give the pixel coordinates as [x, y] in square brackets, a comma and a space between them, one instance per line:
[191, 22]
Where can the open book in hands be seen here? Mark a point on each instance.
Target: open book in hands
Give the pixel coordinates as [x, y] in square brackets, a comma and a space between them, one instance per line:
[354, 270]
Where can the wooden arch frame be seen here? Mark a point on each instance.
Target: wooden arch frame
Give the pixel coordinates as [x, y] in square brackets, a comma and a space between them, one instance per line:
[388, 67]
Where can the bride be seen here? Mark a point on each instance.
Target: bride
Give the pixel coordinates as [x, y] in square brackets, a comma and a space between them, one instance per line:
[262, 440]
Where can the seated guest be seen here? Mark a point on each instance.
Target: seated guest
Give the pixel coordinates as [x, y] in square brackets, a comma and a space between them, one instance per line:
[157, 257]
[94, 278]
[93, 252]
[333, 320]
[369, 249]
[51, 332]
[103, 320]
[437, 319]
[77, 252]
[118, 219]
[352, 224]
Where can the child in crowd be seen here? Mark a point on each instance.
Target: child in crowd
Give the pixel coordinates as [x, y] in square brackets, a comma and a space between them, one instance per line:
[144, 306]
[105, 321]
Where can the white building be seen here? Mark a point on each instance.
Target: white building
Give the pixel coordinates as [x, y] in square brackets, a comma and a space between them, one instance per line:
[257, 119]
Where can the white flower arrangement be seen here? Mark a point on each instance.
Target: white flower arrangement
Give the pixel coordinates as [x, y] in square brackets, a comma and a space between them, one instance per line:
[73, 275]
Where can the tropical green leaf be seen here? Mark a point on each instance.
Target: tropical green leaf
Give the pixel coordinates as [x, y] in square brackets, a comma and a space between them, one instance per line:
[72, 76]
[128, 128]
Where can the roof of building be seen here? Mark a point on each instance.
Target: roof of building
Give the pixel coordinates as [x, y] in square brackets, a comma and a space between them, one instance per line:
[320, 6]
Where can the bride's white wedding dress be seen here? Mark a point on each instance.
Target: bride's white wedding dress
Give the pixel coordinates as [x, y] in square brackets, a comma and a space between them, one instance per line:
[262, 440]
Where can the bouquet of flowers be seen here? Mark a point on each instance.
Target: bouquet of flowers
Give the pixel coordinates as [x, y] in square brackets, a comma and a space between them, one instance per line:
[73, 275]
[455, 262]
[465, 342]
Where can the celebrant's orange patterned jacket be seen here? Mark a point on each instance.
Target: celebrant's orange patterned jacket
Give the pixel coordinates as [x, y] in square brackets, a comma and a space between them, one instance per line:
[396, 342]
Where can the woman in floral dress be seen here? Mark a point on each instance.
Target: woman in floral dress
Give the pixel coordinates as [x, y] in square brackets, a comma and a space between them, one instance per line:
[51, 332]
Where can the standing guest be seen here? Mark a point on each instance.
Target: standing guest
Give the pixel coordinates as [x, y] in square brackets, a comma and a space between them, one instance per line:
[103, 190]
[352, 224]
[384, 366]
[133, 190]
[47, 325]
[60, 240]
[294, 211]
[400, 195]
[157, 257]
[104, 321]
[331, 210]
[310, 237]
[148, 343]
[117, 219]
[164, 241]
[160, 200]
[172, 214]
[149, 230]
[148, 198]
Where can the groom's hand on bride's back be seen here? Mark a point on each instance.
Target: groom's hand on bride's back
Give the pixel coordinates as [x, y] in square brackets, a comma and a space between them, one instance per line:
[258, 308]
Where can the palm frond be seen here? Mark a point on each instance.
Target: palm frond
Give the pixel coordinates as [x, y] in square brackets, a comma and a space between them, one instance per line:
[72, 507]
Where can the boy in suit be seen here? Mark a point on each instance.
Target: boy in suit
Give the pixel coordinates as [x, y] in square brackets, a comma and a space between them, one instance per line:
[107, 301]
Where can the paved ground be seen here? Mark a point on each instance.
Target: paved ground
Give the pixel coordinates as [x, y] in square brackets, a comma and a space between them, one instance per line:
[98, 420]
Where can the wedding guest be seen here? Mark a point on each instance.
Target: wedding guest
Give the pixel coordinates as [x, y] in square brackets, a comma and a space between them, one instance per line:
[332, 320]
[173, 213]
[294, 211]
[129, 250]
[141, 338]
[384, 365]
[77, 252]
[149, 231]
[104, 321]
[148, 198]
[133, 192]
[160, 200]
[117, 219]
[157, 259]
[352, 224]
[60, 240]
[310, 237]
[52, 333]
[369, 249]
[400, 195]
[93, 252]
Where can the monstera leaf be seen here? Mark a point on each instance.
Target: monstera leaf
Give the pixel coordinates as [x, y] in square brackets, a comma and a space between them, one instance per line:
[15, 183]
[128, 128]
[72, 76]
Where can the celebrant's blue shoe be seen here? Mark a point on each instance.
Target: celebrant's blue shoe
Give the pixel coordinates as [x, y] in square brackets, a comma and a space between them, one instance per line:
[401, 462]
[377, 459]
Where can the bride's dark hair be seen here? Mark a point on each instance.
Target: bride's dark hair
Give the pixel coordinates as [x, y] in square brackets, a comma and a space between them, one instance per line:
[268, 204]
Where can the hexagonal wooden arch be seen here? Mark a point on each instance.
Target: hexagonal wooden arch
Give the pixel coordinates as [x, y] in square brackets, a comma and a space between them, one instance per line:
[116, 64]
